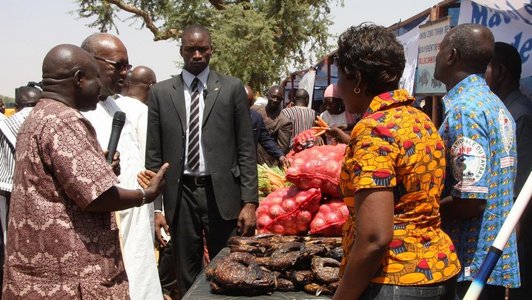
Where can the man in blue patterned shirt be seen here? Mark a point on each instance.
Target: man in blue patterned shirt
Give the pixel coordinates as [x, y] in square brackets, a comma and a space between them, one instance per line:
[479, 136]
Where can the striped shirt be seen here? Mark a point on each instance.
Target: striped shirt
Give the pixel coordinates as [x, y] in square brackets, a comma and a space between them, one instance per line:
[302, 118]
[8, 137]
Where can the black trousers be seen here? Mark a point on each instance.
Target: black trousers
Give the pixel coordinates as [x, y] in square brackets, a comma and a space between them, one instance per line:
[197, 215]
[167, 273]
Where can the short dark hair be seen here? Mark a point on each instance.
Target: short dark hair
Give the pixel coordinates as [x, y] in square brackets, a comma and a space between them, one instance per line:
[375, 53]
[301, 96]
[196, 28]
[506, 55]
[475, 54]
[22, 98]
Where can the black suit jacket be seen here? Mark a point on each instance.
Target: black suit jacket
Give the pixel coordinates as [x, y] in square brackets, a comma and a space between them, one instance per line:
[227, 138]
[262, 136]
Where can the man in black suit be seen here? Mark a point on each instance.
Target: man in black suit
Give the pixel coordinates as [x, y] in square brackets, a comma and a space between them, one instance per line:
[199, 121]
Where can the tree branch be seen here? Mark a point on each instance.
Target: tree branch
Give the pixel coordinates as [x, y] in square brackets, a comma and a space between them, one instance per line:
[157, 33]
[218, 4]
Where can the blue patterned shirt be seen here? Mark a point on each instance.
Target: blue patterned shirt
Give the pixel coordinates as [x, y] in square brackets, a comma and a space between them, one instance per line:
[479, 136]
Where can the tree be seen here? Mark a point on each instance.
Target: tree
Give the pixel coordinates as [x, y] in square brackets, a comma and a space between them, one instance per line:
[7, 100]
[254, 40]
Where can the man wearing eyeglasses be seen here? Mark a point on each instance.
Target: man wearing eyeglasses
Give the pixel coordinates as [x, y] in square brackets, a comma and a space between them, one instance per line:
[134, 223]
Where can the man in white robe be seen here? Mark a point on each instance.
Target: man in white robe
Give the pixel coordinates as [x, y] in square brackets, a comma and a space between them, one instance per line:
[134, 223]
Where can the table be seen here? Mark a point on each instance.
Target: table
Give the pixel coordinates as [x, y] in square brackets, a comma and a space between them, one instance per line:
[200, 289]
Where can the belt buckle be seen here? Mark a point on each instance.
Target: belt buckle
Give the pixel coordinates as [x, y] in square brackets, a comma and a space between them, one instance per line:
[198, 181]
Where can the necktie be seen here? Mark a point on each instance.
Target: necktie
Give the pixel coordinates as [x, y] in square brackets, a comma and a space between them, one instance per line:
[193, 128]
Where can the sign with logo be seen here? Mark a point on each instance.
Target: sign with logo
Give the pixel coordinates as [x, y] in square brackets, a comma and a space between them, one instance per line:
[430, 36]
[469, 165]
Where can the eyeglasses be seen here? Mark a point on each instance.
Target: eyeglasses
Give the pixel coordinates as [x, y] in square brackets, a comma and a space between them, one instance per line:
[117, 65]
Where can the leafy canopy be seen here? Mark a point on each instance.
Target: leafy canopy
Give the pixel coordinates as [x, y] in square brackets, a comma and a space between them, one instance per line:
[254, 40]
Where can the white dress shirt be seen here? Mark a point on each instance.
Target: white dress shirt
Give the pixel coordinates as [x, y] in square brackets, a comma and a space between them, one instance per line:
[202, 87]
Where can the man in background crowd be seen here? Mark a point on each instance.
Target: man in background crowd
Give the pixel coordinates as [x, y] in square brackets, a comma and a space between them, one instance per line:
[138, 83]
[525, 86]
[278, 125]
[133, 102]
[26, 97]
[260, 133]
[335, 114]
[300, 114]
[502, 75]
[479, 136]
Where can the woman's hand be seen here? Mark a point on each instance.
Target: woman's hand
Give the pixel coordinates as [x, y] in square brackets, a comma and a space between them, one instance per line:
[338, 133]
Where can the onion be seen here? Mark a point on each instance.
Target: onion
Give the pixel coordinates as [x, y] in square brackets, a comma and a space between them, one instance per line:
[304, 217]
[325, 209]
[276, 200]
[276, 211]
[263, 221]
[318, 222]
[262, 209]
[279, 229]
[345, 211]
[332, 217]
[289, 205]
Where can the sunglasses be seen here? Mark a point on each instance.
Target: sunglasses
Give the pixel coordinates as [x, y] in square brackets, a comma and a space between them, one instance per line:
[117, 65]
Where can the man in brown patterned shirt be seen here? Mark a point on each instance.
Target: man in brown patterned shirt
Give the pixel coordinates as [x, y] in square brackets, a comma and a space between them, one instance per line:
[63, 239]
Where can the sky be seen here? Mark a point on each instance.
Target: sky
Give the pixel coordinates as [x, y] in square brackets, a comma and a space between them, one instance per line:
[30, 28]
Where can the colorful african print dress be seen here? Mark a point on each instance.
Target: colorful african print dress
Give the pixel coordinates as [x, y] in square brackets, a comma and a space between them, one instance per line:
[479, 134]
[396, 145]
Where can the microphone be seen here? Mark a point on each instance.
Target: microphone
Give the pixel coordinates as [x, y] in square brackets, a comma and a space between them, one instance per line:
[205, 93]
[119, 119]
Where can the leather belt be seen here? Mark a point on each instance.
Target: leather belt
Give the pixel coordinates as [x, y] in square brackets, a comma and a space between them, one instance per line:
[199, 181]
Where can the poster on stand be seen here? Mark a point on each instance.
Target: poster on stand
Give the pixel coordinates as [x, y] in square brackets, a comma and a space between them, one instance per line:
[307, 83]
[409, 40]
[430, 36]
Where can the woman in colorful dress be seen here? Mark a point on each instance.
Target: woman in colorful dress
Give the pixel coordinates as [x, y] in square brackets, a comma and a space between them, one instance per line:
[391, 180]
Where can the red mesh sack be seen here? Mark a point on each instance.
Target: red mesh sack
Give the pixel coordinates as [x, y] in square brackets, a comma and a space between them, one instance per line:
[288, 211]
[304, 140]
[317, 167]
[330, 218]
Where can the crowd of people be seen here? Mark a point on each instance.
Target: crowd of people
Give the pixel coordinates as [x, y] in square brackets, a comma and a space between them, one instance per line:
[425, 203]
